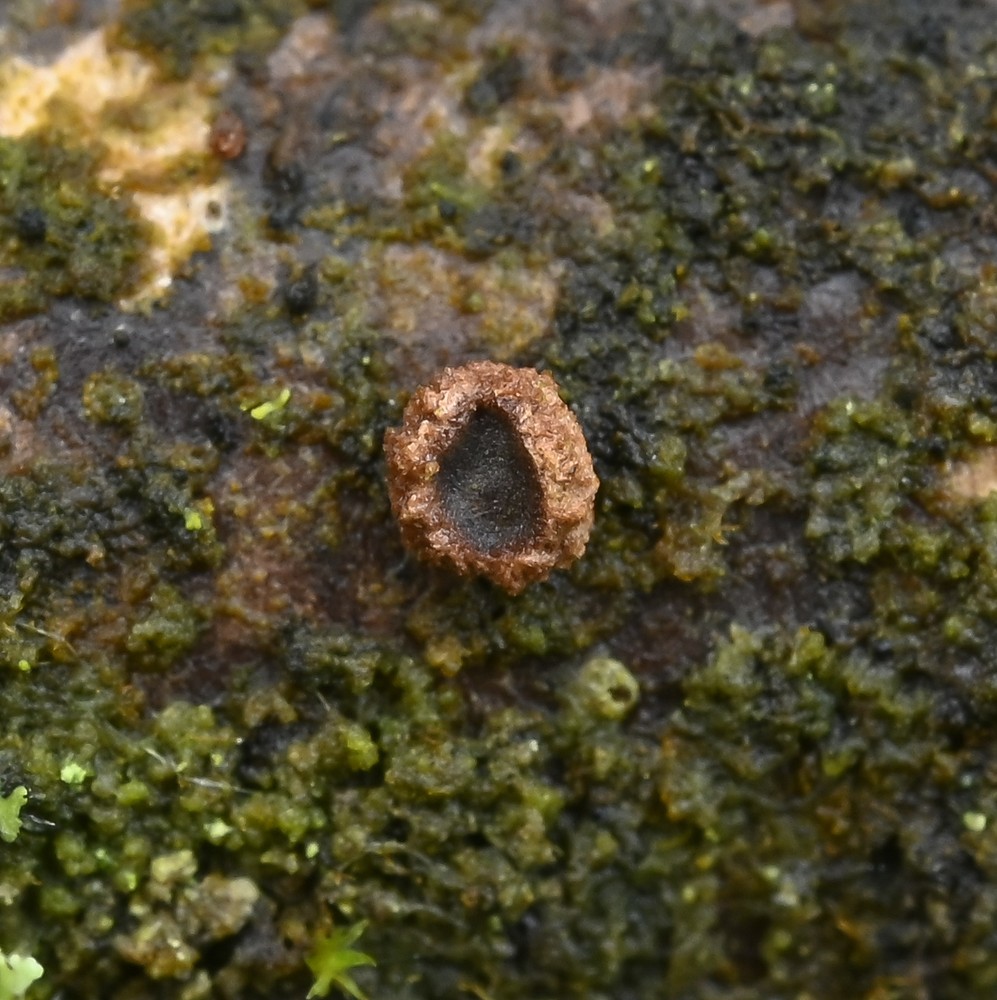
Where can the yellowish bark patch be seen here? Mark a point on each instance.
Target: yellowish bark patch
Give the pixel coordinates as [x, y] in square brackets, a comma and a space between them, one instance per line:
[143, 129]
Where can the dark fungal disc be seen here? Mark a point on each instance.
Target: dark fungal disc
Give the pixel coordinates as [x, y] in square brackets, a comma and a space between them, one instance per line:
[488, 484]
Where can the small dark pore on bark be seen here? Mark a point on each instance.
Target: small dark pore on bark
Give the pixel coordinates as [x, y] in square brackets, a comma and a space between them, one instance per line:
[488, 485]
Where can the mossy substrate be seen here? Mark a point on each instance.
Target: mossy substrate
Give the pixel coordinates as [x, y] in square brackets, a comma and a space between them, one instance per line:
[744, 748]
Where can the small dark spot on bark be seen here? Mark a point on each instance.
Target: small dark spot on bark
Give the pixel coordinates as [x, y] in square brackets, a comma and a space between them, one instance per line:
[905, 396]
[511, 166]
[498, 82]
[301, 293]
[31, 225]
[260, 752]
[887, 859]
[567, 67]
[928, 37]
[941, 334]
[223, 11]
[283, 215]
[220, 430]
[882, 649]
[780, 381]
[349, 13]
[284, 175]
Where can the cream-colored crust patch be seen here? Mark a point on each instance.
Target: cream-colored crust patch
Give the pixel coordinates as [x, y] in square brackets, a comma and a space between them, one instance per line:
[975, 479]
[141, 127]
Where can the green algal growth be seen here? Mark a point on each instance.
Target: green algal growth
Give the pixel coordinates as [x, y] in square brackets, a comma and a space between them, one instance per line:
[270, 406]
[862, 471]
[168, 630]
[111, 398]
[740, 749]
[10, 813]
[177, 33]
[73, 773]
[61, 231]
[17, 973]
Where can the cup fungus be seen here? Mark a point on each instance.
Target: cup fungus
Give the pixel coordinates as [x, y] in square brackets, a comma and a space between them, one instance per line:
[490, 474]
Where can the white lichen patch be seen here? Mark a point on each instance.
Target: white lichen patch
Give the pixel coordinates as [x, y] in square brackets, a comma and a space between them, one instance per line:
[607, 98]
[86, 76]
[141, 127]
[760, 19]
[310, 42]
[18, 444]
[185, 221]
[485, 150]
[975, 479]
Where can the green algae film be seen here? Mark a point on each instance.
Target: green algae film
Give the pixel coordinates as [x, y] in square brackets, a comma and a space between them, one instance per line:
[61, 231]
[742, 749]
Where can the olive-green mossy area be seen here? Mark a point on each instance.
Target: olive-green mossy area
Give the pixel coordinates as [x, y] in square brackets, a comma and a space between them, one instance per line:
[61, 231]
[179, 32]
[745, 748]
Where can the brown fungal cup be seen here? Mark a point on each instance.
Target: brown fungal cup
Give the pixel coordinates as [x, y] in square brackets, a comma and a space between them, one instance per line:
[490, 474]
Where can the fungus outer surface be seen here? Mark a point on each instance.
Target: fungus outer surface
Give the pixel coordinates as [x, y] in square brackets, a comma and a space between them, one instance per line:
[490, 474]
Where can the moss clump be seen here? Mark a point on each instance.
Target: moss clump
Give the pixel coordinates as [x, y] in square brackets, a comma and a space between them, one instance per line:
[168, 629]
[333, 959]
[842, 741]
[61, 231]
[10, 813]
[742, 748]
[177, 32]
[371, 748]
[111, 398]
